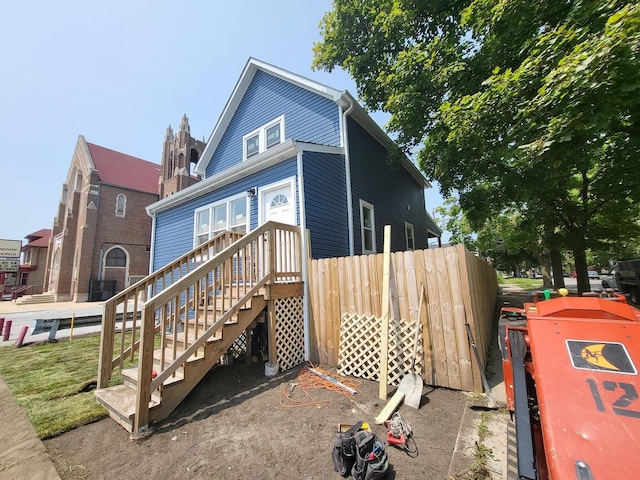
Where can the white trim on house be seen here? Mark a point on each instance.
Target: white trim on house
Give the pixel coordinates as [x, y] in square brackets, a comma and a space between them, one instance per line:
[261, 133]
[213, 228]
[262, 190]
[344, 137]
[306, 304]
[271, 157]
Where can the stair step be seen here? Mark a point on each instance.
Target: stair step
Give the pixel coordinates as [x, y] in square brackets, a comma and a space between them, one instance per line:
[179, 337]
[168, 356]
[120, 401]
[35, 299]
[130, 376]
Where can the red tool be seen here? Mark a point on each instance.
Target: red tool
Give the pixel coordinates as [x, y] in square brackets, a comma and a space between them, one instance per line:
[399, 435]
[393, 440]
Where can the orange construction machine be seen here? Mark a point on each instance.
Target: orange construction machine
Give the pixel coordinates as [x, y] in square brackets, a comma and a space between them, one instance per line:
[571, 378]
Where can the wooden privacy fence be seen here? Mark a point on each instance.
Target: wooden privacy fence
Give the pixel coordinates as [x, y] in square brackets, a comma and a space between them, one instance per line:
[346, 297]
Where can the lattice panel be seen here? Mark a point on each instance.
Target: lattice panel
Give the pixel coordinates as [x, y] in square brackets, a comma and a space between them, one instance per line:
[359, 353]
[289, 332]
[239, 347]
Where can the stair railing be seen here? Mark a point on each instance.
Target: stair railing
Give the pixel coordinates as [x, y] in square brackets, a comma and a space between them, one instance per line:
[129, 302]
[21, 290]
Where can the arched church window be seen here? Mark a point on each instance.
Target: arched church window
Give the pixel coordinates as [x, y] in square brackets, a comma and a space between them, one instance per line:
[121, 205]
[116, 258]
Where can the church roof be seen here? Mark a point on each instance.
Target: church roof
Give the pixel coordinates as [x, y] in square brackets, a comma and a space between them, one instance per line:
[123, 170]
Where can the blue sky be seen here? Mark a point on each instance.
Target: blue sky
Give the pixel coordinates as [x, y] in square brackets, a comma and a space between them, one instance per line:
[120, 72]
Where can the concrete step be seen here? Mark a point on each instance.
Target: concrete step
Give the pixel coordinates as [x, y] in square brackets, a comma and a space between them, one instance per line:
[36, 299]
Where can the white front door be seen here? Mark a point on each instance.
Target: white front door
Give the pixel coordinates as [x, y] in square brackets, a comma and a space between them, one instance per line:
[277, 203]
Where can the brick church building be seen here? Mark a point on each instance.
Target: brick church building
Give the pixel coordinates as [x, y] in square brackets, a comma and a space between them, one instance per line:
[101, 236]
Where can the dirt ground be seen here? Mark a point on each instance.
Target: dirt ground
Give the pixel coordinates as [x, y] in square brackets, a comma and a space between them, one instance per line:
[233, 426]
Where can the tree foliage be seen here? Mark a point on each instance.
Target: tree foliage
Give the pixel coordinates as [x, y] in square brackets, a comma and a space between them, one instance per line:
[514, 105]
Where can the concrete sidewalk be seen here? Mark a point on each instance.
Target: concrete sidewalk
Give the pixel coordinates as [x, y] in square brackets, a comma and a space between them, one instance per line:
[22, 453]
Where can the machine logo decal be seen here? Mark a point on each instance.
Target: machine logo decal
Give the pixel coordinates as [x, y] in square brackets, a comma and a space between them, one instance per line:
[603, 356]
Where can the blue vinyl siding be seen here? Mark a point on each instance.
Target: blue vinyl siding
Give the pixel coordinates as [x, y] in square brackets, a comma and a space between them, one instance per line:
[395, 195]
[174, 227]
[308, 118]
[326, 204]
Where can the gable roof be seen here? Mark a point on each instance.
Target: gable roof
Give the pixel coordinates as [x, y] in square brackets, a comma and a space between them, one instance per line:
[122, 170]
[342, 98]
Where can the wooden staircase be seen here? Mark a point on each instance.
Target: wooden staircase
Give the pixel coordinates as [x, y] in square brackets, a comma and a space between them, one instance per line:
[120, 400]
[187, 324]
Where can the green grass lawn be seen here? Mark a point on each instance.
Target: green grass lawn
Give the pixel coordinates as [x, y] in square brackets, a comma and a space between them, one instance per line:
[54, 383]
[525, 283]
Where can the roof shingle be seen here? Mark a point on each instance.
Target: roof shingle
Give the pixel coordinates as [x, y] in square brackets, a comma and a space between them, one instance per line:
[123, 170]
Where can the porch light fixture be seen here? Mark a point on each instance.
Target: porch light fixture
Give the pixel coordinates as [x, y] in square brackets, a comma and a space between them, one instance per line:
[252, 192]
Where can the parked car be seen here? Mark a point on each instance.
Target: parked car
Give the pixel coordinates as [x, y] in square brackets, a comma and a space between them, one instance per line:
[625, 277]
[609, 280]
[593, 274]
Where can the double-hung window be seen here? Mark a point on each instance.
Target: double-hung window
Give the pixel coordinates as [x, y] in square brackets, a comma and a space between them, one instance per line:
[410, 236]
[367, 227]
[263, 138]
[230, 214]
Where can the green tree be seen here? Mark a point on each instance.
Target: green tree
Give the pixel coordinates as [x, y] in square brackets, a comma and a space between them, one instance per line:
[514, 105]
[451, 216]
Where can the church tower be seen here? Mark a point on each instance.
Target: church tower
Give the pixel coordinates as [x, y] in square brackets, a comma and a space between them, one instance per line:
[180, 154]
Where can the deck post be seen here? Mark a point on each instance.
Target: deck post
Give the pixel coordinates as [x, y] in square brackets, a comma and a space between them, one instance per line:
[273, 357]
[107, 338]
[145, 367]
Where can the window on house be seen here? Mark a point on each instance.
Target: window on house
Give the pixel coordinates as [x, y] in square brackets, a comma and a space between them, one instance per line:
[252, 145]
[263, 138]
[367, 227]
[116, 258]
[121, 205]
[409, 235]
[230, 214]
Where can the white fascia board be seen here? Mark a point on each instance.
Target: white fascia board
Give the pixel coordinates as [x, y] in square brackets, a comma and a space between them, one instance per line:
[250, 69]
[266, 159]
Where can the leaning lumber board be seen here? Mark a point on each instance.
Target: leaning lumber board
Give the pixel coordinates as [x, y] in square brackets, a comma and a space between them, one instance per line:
[384, 330]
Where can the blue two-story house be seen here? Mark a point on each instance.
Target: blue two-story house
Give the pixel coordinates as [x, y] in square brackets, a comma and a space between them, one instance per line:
[287, 156]
[290, 149]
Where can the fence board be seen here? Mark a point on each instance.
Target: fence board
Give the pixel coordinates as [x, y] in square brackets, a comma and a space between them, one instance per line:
[334, 312]
[421, 282]
[435, 315]
[453, 259]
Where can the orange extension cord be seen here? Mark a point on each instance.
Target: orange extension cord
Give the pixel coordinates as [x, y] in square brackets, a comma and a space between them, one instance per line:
[308, 381]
